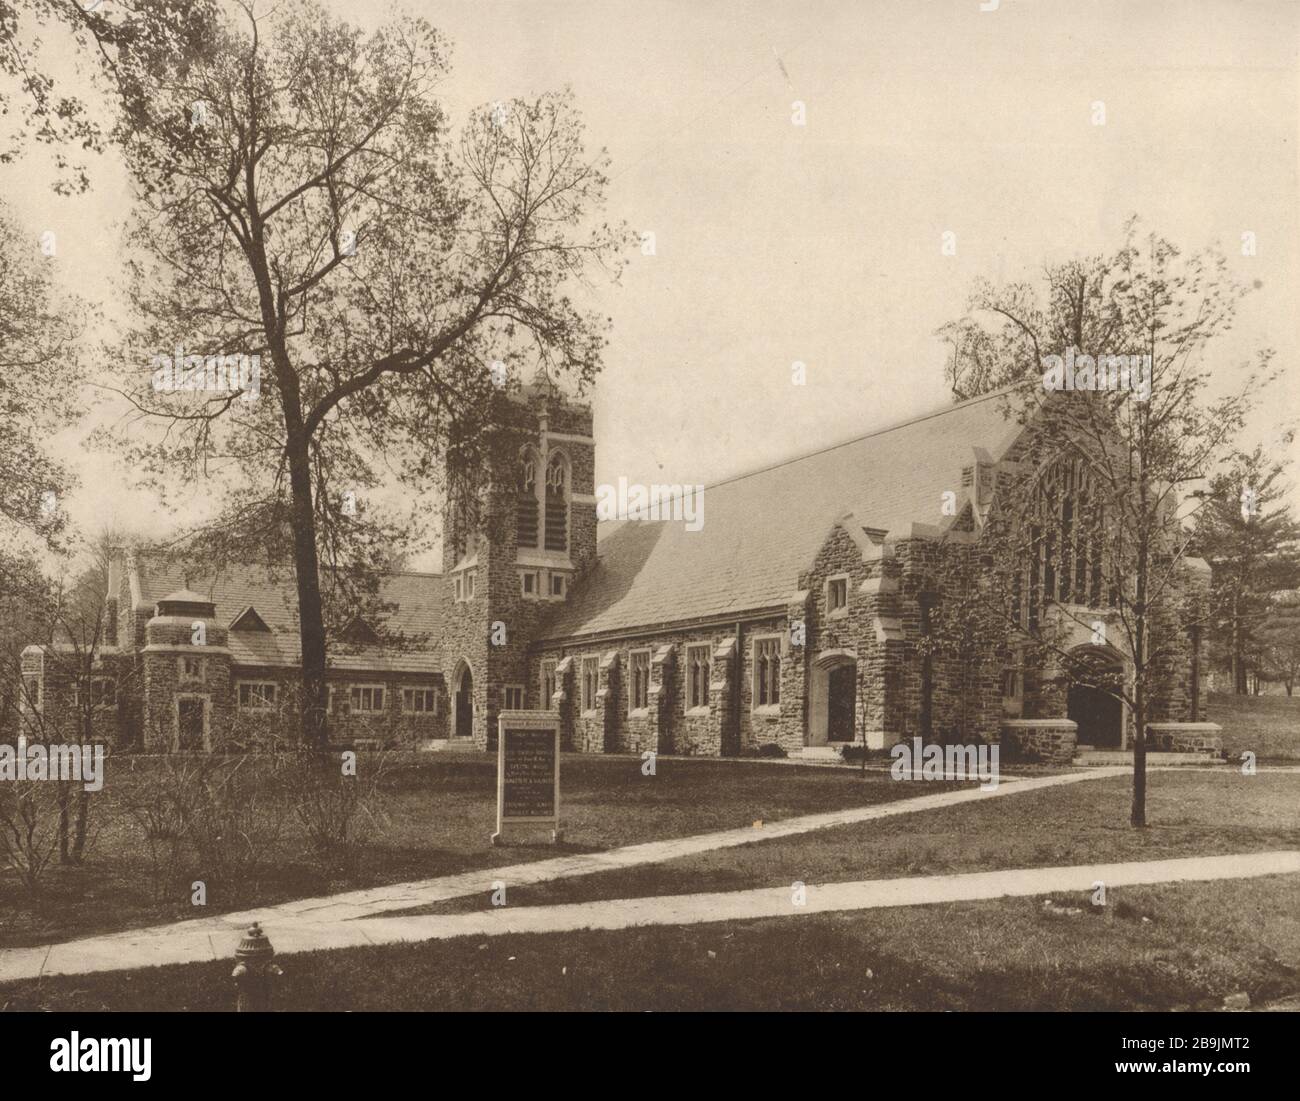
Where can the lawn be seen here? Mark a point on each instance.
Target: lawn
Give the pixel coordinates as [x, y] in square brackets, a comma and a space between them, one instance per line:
[1174, 946]
[1268, 726]
[436, 816]
[1190, 813]
[1199, 943]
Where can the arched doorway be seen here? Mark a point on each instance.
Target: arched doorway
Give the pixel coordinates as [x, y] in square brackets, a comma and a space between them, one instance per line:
[1098, 713]
[463, 702]
[834, 698]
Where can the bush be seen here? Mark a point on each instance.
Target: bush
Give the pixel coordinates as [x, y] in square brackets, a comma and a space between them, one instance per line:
[234, 812]
[154, 800]
[30, 813]
[338, 811]
[771, 749]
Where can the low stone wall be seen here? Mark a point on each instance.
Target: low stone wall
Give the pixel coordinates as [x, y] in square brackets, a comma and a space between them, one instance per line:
[1050, 741]
[1185, 738]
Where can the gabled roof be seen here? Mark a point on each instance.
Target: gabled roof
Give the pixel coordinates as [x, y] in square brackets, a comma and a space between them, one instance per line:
[761, 530]
[270, 597]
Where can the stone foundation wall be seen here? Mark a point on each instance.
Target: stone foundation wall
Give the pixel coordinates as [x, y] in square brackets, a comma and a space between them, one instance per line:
[1048, 741]
[1185, 738]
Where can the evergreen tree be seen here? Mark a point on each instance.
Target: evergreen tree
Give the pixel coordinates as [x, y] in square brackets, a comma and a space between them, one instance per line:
[1247, 534]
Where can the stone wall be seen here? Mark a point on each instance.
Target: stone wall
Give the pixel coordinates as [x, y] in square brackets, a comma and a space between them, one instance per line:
[1047, 741]
[730, 725]
[1185, 738]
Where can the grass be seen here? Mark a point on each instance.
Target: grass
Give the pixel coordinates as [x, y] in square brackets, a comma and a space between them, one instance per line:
[1199, 943]
[1268, 726]
[1191, 813]
[438, 817]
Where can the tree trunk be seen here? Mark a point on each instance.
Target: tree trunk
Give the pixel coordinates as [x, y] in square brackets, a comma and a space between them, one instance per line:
[311, 621]
[64, 856]
[1138, 814]
[1238, 646]
[79, 829]
[313, 729]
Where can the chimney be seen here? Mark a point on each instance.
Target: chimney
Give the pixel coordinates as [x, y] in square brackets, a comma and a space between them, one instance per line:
[110, 601]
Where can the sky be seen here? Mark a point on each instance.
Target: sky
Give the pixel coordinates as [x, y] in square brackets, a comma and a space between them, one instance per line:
[777, 243]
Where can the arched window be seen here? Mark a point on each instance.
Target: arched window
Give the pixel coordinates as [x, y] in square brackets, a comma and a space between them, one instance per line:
[557, 503]
[526, 508]
[1063, 545]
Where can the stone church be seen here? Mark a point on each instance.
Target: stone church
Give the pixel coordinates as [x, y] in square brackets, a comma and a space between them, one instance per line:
[794, 622]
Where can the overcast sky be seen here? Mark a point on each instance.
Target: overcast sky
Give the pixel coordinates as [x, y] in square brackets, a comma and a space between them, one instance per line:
[821, 243]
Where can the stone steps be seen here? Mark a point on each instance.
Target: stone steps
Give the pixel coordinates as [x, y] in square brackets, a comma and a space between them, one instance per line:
[1104, 758]
[448, 745]
[817, 753]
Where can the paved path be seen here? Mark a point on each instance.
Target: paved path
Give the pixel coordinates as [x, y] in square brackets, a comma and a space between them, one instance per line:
[766, 902]
[339, 920]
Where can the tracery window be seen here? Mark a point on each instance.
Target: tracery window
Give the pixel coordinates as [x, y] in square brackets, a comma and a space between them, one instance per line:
[1062, 546]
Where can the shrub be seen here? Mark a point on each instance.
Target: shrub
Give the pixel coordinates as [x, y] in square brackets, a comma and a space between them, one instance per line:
[336, 810]
[30, 814]
[771, 749]
[234, 812]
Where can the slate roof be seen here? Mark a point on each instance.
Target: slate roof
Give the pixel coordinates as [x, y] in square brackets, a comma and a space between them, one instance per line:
[418, 598]
[761, 530]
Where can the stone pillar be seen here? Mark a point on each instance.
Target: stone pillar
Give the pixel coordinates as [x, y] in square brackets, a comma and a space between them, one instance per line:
[723, 672]
[607, 702]
[663, 664]
[796, 670]
[564, 700]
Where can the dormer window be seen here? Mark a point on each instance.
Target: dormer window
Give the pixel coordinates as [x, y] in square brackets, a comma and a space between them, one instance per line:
[557, 503]
[249, 620]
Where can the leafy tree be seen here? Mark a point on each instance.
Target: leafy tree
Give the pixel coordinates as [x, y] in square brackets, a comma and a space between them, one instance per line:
[300, 198]
[40, 382]
[1142, 454]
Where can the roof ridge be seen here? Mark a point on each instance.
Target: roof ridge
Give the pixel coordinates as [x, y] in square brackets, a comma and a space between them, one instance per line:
[230, 569]
[919, 418]
[867, 435]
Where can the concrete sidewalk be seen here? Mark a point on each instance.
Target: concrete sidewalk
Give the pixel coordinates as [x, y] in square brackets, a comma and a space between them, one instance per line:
[339, 920]
[80, 957]
[200, 938]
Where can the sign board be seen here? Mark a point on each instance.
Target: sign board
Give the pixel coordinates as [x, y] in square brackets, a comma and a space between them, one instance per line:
[528, 774]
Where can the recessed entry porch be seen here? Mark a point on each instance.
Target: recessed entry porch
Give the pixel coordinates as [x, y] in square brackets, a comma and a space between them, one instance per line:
[833, 698]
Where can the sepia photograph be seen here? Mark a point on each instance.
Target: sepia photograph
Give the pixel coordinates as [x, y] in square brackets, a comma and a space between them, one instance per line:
[650, 506]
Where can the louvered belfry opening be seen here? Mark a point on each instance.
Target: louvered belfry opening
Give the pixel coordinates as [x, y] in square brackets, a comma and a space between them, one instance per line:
[557, 505]
[526, 507]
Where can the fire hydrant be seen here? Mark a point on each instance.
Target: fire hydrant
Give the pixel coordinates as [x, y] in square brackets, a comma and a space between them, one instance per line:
[254, 971]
